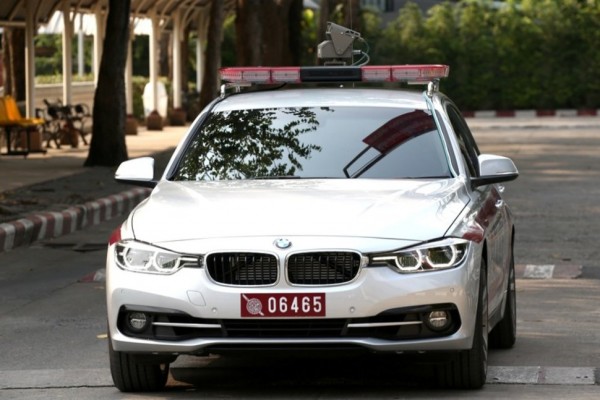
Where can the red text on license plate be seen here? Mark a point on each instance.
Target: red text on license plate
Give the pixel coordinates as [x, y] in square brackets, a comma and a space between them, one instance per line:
[283, 305]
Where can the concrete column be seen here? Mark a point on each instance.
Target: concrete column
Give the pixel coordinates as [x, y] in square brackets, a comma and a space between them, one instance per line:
[154, 35]
[129, 72]
[98, 38]
[202, 34]
[80, 48]
[30, 27]
[177, 33]
[67, 36]
[199, 62]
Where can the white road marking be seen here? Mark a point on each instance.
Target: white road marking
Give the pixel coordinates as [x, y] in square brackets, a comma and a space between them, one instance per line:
[542, 375]
[538, 271]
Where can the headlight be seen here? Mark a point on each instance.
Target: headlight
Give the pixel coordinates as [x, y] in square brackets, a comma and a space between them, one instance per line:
[140, 257]
[448, 253]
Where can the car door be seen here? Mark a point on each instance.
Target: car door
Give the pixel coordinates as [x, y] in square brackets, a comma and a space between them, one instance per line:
[494, 215]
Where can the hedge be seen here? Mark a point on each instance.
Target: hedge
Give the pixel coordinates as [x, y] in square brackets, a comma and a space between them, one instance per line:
[542, 54]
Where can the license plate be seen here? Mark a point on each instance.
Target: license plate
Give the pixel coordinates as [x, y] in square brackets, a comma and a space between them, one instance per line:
[283, 305]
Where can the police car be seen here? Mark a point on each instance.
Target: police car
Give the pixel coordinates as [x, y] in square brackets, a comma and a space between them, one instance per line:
[309, 216]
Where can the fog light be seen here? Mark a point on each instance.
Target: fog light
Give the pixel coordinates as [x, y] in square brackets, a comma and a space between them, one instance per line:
[137, 321]
[438, 320]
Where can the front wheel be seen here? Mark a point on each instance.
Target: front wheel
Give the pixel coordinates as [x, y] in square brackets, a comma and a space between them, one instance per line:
[132, 373]
[468, 369]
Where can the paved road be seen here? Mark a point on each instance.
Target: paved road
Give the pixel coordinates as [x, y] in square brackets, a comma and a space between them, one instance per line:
[555, 199]
[52, 314]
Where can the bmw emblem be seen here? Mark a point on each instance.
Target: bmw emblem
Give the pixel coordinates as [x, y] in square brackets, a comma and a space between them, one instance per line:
[282, 243]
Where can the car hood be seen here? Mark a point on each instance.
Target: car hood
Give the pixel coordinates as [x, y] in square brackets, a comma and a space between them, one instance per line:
[393, 209]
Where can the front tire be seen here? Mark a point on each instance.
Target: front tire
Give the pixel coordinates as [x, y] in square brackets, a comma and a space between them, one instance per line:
[468, 369]
[504, 334]
[131, 373]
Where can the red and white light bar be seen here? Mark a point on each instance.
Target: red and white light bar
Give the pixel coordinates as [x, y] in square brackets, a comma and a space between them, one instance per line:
[404, 73]
[371, 73]
[261, 74]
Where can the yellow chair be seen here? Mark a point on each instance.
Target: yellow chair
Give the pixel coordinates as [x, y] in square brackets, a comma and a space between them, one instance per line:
[12, 122]
[14, 114]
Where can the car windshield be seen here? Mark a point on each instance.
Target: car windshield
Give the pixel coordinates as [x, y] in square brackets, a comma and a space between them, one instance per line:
[315, 142]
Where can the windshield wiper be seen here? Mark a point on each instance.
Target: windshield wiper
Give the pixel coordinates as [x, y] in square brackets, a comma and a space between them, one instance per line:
[296, 177]
[426, 177]
[277, 177]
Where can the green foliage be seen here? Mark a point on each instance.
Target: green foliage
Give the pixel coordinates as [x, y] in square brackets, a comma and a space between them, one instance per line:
[228, 58]
[138, 83]
[309, 37]
[526, 54]
[58, 79]
[140, 49]
[48, 60]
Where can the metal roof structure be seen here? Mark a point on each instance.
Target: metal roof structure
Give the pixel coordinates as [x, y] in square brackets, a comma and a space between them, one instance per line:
[14, 12]
[171, 15]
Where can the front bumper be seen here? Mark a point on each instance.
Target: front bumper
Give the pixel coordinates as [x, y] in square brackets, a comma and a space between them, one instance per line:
[379, 311]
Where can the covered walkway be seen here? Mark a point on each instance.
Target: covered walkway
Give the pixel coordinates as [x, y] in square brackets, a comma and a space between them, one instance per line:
[174, 16]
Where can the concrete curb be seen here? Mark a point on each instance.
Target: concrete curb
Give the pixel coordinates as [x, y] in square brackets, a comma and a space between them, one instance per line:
[531, 113]
[45, 225]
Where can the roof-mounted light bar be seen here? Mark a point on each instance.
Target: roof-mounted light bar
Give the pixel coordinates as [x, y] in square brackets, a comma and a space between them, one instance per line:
[404, 73]
[261, 75]
[385, 73]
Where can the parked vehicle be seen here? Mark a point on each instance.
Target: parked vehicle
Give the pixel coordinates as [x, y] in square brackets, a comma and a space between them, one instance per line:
[317, 217]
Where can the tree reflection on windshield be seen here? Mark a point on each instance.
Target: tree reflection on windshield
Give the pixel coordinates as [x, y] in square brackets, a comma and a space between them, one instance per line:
[316, 142]
[250, 143]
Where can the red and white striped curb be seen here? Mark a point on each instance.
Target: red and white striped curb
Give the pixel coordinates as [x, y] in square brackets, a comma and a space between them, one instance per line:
[45, 225]
[96, 276]
[531, 113]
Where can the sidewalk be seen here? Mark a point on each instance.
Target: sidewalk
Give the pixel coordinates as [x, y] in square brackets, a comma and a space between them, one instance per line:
[556, 122]
[53, 194]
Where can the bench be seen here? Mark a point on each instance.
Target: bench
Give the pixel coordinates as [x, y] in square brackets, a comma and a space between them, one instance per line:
[12, 122]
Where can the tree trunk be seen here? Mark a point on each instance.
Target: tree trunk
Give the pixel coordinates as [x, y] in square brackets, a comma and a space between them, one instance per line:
[352, 15]
[268, 32]
[14, 51]
[325, 10]
[249, 32]
[329, 11]
[273, 38]
[213, 53]
[108, 147]
[295, 32]
[276, 40]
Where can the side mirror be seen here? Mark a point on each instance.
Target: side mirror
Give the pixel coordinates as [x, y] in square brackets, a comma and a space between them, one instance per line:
[139, 172]
[494, 169]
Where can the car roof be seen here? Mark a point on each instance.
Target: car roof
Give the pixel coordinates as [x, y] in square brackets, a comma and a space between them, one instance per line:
[321, 97]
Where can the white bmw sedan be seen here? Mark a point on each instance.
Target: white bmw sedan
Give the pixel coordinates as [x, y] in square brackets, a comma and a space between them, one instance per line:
[315, 218]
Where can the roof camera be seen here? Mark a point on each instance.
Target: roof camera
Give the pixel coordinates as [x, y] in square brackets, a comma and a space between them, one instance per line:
[337, 50]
